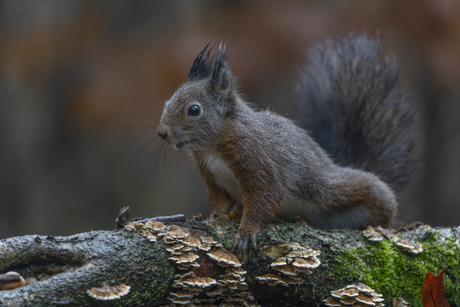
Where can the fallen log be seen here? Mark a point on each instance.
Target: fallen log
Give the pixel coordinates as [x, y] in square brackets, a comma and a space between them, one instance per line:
[137, 256]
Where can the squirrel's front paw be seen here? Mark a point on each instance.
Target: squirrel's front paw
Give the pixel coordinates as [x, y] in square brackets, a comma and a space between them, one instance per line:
[241, 245]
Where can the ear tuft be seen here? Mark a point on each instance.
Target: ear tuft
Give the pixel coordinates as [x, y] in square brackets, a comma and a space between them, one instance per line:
[217, 71]
[221, 75]
[202, 66]
[221, 62]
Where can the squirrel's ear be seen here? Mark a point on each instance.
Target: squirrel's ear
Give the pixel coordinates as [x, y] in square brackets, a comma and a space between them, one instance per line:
[221, 78]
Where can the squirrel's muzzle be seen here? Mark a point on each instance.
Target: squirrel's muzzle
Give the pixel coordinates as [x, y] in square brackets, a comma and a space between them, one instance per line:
[162, 132]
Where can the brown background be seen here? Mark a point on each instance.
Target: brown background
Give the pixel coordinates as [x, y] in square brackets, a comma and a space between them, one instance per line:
[78, 78]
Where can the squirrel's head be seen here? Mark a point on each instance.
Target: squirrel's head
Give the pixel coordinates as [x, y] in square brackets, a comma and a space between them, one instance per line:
[196, 113]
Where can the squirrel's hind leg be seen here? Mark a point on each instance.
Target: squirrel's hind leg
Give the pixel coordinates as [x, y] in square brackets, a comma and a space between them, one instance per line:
[359, 199]
[356, 217]
[220, 204]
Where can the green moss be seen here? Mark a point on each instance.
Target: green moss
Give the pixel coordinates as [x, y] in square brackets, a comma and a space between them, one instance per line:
[146, 281]
[392, 273]
[224, 231]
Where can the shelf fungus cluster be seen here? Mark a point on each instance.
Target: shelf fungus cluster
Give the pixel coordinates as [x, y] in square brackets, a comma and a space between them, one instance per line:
[182, 247]
[358, 295]
[232, 289]
[107, 293]
[189, 287]
[228, 290]
[185, 250]
[300, 259]
[148, 230]
[377, 234]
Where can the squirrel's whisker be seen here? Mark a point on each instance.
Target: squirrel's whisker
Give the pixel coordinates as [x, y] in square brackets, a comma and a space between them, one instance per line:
[186, 148]
[140, 121]
[156, 101]
[200, 148]
[153, 158]
[196, 146]
[164, 160]
[139, 150]
[162, 146]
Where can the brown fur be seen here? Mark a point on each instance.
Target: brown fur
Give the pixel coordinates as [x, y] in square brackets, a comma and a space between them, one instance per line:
[262, 165]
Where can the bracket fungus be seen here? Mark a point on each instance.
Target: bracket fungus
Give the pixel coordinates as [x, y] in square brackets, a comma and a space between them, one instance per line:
[155, 225]
[182, 294]
[177, 233]
[186, 257]
[204, 247]
[193, 282]
[236, 270]
[210, 241]
[224, 257]
[189, 241]
[386, 232]
[11, 280]
[299, 259]
[181, 244]
[168, 240]
[232, 289]
[179, 300]
[175, 247]
[308, 263]
[372, 235]
[271, 280]
[354, 295]
[107, 292]
[130, 227]
[191, 286]
[134, 226]
[148, 235]
[406, 245]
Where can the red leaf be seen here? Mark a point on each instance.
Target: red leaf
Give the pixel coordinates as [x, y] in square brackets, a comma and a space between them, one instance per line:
[433, 291]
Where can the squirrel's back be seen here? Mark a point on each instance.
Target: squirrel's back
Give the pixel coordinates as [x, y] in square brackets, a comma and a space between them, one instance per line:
[352, 107]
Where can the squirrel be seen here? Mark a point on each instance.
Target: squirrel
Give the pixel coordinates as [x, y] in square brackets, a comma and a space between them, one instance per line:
[340, 170]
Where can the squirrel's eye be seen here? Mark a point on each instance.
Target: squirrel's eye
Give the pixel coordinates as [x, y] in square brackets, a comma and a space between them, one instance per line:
[194, 110]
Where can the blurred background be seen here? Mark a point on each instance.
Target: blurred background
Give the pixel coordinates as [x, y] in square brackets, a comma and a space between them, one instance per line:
[82, 84]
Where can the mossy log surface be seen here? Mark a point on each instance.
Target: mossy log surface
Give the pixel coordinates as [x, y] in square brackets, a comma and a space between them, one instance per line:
[68, 266]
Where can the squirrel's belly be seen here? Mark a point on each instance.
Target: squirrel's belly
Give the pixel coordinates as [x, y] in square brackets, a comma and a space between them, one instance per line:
[222, 175]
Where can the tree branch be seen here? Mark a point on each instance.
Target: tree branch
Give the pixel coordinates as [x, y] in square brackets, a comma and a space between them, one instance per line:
[66, 267]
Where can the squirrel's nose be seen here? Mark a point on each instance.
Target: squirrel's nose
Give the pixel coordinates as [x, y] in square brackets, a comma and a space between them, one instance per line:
[163, 133]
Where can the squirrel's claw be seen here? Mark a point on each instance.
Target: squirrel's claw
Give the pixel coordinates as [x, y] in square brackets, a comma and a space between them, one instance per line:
[241, 246]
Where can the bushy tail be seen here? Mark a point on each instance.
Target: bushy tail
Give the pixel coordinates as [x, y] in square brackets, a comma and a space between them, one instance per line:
[351, 107]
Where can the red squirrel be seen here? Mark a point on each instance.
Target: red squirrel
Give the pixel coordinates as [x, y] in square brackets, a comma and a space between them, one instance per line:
[340, 170]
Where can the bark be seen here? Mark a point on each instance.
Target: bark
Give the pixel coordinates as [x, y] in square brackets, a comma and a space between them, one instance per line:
[67, 267]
